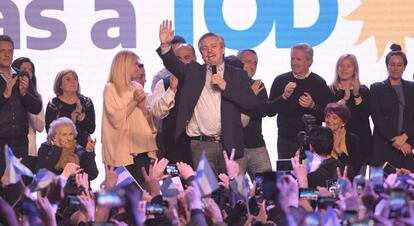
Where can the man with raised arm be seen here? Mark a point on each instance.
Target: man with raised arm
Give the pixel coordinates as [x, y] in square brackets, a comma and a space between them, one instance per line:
[213, 95]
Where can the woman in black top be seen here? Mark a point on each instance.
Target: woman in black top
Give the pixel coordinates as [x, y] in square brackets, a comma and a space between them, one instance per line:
[392, 107]
[71, 104]
[348, 90]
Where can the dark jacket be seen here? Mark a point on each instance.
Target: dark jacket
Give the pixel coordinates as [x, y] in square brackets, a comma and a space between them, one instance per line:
[385, 113]
[236, 97]
[253, 137]
[326, 171]
[354, 158]
[49, 155]
[13, 110]
[359, 123]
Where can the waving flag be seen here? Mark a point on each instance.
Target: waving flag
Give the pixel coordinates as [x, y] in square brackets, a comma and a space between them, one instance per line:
[41, 180]
[313, 161]
[330, 219]
[124, 178]
[205, 177]
[14, 169]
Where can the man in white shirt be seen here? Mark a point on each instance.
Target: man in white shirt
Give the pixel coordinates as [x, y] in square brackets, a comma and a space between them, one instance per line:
[213, 95]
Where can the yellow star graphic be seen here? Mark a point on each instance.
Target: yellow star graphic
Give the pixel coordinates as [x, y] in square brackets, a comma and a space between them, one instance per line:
[389, 21]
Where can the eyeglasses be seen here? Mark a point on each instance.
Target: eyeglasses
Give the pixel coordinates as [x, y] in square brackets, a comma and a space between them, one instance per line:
[140, 65]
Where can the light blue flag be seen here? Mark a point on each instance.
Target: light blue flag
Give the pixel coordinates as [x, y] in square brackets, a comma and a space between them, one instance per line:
[205, 177]
[41, 180]
[313, 161]
[330, 219]
[124, 177]
[14, 169]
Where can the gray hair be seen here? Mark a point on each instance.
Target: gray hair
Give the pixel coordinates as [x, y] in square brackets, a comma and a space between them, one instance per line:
[60, 122]
[308, 49]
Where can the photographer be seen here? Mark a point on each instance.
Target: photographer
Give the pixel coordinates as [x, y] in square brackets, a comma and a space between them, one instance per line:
[321, 143]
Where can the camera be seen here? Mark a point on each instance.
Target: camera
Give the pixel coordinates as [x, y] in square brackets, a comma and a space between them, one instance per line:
[302, 138]
[20, 73]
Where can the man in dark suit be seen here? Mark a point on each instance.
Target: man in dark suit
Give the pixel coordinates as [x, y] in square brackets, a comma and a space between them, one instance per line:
[213, 95]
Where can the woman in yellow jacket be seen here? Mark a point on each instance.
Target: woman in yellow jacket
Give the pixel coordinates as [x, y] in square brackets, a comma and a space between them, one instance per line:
[128, 133]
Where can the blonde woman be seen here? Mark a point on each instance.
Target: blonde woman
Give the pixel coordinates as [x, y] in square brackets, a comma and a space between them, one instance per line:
[347, 89]
[128, 134]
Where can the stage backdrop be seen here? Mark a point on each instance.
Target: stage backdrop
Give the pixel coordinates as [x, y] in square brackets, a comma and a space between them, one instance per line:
[85, 34]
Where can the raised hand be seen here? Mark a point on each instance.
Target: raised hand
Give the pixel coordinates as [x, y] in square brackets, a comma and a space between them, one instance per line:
[356, 85]
[46, 210]
[139, 96]
[212, 210]
[87, 205]
[299, 169]
[110, 177]
[233, 168]
[90, 146]
[9, 87]
[257, 86]
[71, 169]
[158, 168]
[173, 83]
[166, 32]
[151, 183]
[185, 170]
[306, 101]
[55, 192]
[219, 81]
[23, 84]
[224, 180]
[82, 180]
[289, 88]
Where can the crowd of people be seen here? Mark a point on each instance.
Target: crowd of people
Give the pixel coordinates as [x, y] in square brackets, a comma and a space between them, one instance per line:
[200, 131]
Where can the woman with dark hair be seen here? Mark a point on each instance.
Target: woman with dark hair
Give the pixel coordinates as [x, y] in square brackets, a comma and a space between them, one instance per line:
[70, 103]
[392, 111]
[347, 89]
[36, 121]
[346, 146]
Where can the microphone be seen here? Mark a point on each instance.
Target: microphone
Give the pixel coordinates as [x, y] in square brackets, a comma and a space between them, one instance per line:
[213, 72]
[213, 68]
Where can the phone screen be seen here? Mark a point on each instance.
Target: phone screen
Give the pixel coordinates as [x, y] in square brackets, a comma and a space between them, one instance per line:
[359, 181]
[265, 186]
[154, 208]
[397, 202]
[171, 169]
[284, 165]
[349, 217]
[308, 193]
[376, 177]
[110, 199]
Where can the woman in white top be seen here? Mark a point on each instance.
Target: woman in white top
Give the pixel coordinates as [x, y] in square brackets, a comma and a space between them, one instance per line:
[128, 133]
[36, 121]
